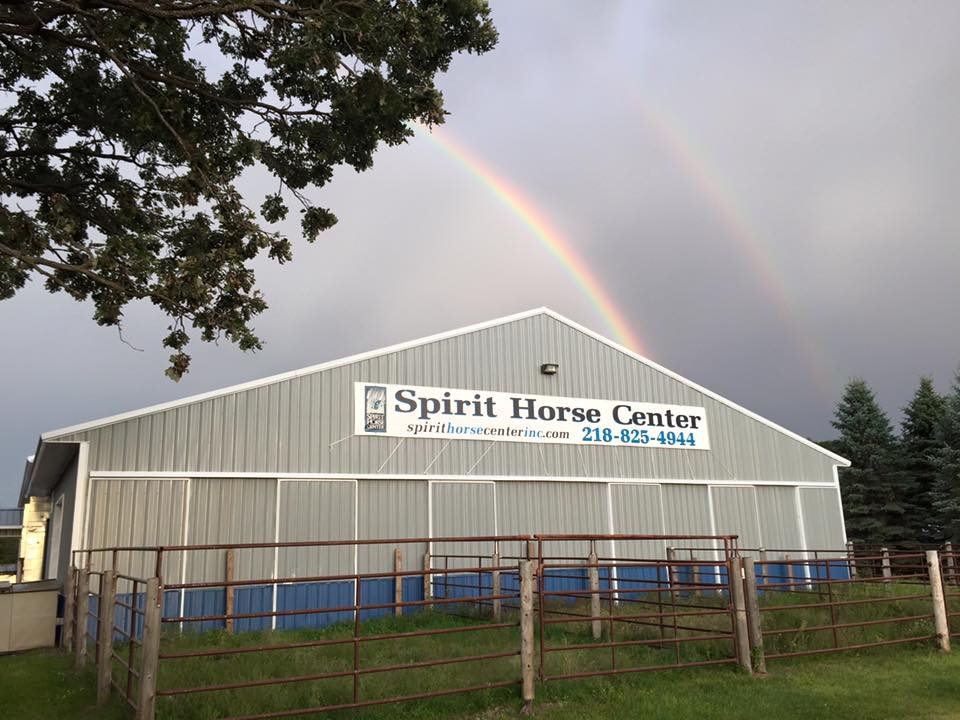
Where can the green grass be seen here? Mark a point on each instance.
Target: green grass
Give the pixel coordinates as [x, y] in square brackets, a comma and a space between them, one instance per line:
[910, 681]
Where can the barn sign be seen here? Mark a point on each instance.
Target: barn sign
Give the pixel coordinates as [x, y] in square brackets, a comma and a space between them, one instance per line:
[456, 414]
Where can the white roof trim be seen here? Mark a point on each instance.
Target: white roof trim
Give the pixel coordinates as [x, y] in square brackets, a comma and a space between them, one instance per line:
[424, 341]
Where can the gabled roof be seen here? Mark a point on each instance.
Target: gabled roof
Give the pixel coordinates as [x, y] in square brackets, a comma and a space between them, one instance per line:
[47, 436]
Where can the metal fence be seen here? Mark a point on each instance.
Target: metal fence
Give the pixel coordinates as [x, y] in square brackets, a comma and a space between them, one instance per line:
[520, 608]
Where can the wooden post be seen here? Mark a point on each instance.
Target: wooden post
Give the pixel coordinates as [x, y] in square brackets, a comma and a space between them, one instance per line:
[887, 574]
[526, 633]
[229, 589]
[105, 616]
[671, 570]
[754, 625]
[593, 580]
[69, 610]
[531, 549]
[397, 582]
[741, 631]
[696, 576]
[940, 621]
[149, 651]
[427, 581]
[851, 562]
[787, 572]
[495, 585]
[19, 576]
[80, 618]
[951, 562]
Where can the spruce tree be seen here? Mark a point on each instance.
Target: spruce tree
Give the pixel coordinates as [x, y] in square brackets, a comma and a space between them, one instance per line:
[875, 492]
[920, 443]
[947, 461]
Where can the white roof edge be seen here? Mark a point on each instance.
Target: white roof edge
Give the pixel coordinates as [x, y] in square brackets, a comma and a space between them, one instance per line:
[699, 388]
[290, 374]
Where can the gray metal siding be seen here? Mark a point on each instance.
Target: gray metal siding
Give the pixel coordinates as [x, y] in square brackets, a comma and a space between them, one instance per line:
[637, 511]
[779, 524]
[137, 512]
[305, 424]
[67, 489]
[391, 509]
[231, 511]
[822, 521]
[686, 511]
[461, 509]
[316, 510]
[11, 517]
[735, 513]
[524, 508]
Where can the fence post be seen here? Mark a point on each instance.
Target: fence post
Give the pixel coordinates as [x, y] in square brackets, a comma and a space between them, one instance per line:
[886, 565]
[526, 633]
[740, 614]
[951, 562]
[754, 626]
[427, 581]
[397, 582]
[69, 609]
[80, 618]
[696, 576]
[19, 571]
[671, 570]
[939, 603]
[105, 616]
[593, 580]
[149, 651]
[229, 589]
[851, 562]
[495, 584]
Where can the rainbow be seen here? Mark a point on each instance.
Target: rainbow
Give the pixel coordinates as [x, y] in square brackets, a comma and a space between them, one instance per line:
[538, 225]
[692, 161]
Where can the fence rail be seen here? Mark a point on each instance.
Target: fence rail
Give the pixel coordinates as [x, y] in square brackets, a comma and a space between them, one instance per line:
[377, 617]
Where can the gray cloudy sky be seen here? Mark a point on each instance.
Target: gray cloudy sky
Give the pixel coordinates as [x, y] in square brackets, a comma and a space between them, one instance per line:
[768, 192]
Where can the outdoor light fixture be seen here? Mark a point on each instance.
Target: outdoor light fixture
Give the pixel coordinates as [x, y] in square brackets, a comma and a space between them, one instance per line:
[549, 368]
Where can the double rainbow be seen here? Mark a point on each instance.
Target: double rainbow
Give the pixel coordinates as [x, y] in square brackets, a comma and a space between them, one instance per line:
[548, 236]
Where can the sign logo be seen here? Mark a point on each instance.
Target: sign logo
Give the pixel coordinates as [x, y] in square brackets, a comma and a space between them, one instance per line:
[457, 414]
[375, 409]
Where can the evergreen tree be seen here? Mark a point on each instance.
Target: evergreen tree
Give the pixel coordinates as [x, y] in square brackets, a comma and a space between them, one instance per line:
[874, 490]
[947, 485]
[920, 443]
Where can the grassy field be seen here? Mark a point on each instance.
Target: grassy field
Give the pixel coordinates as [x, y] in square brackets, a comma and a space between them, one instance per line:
[903, 681]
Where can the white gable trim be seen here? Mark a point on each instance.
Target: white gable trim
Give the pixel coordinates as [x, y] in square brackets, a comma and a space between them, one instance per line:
[425, 341]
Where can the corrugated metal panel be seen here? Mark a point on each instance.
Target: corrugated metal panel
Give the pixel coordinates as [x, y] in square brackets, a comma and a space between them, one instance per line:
[12, 517]
[735, 513]
[316, 510]
[137, 512]
[305, 424]
[66, 489]
[637, 511]
[392, 509]
[525, 508]
[779, 526]
[231, 511]
[822, 521]
[463, 508]
[686, 511]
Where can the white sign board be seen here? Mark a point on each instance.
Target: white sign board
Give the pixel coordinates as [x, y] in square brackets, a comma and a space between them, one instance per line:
[454, 414]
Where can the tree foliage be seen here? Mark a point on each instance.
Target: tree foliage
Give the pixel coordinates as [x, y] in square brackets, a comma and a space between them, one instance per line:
[129, 122]
[875, 492]
[920, 445]
[947, 462]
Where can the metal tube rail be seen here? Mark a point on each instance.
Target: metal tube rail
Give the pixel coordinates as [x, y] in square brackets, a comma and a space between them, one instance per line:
[342, 608]
[628, 643]
[862, 601]
[649, 668]
[338, 641]
[844, 648]
[385, 574]
[842, 626]
[369, 703]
